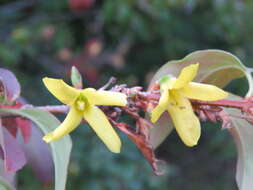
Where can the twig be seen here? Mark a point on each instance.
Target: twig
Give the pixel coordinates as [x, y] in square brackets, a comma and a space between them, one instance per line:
[111, 81]
[54, 109]
[140, 100]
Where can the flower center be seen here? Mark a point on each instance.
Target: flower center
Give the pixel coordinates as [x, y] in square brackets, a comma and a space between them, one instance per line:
[81, 103]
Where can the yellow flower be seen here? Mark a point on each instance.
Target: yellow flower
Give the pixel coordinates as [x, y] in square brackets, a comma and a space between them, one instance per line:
[174, 99]
[83, 105]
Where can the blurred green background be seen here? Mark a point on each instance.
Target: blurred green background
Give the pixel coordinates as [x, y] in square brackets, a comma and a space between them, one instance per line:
[128, 39]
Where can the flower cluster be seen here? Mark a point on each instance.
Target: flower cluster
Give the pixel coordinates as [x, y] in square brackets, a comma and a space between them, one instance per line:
[175, 95]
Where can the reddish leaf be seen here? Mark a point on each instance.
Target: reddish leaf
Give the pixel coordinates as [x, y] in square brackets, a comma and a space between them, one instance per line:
[10, 106]
[15, 123]
[25, 127]
[8, 177]
[10, 84]
[39, 156]
[11, 125]
[60, 149]
[14, 158]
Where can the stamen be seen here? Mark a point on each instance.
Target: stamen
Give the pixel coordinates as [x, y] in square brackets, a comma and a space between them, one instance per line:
[80, 105]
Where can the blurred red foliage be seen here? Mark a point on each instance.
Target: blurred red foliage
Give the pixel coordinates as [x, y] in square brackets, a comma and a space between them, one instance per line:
[80, 5]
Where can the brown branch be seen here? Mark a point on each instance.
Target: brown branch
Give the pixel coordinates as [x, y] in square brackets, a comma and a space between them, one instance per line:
[238, 104]
[139, 101]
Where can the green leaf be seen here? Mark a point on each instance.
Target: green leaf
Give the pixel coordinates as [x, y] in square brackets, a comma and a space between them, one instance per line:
[60, 149]
[216, 67]
[162, 128]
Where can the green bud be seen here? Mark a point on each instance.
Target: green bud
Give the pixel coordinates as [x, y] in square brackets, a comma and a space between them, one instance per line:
[76, 78]
[164, 79]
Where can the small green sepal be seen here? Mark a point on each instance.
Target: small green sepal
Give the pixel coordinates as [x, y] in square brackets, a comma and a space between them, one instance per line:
[164, 79]
[76, 78]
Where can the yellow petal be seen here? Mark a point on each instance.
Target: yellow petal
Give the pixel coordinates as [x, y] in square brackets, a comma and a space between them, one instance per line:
[162, 105]
[204, 92]
[185, 121]
[63, 92]
[102, 97]
[72, 120]
[187, 75]
[100, 124]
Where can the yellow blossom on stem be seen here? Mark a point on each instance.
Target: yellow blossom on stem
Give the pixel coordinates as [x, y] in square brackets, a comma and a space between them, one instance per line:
[174, 99]
[83, 104]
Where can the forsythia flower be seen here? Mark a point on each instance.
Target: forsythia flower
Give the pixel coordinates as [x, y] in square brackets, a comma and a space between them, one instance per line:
[174, 99]
[83, 105]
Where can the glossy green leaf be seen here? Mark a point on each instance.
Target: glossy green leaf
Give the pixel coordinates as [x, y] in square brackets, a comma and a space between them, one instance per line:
[216, 67]
[60, 149]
